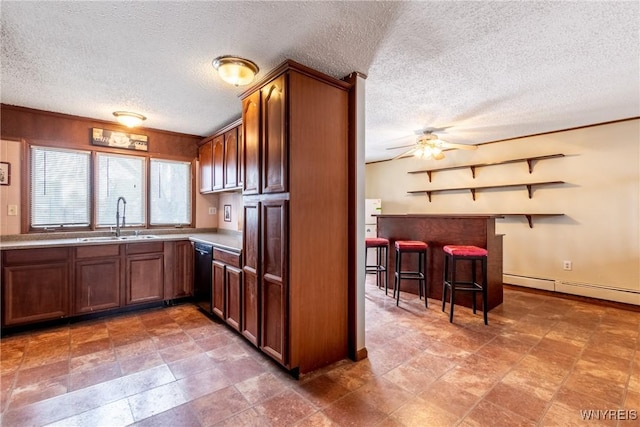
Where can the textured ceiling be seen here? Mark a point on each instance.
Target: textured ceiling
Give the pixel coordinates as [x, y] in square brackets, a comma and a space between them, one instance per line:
[485, 71]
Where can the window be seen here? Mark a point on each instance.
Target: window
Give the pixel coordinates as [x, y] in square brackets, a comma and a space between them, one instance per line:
[120, 176]
[170, 192]
[80, 189]
[60, 190]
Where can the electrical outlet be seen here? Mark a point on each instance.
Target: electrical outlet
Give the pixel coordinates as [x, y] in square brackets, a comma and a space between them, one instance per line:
[212, 211]
[12, 210]
[567, 265]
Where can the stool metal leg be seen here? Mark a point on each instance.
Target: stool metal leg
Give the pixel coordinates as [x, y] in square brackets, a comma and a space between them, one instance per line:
[445, 278]
[398, 276]
[453, 288]
[484, 291]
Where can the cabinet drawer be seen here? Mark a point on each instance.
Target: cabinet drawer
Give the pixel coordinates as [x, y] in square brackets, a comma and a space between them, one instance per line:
[97, 251]
[35, 256]
[144, 248]
[225, 257]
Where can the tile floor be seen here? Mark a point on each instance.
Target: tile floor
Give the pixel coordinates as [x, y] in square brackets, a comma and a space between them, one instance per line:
[540, 362]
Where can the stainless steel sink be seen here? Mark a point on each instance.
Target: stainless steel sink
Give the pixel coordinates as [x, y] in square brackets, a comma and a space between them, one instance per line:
[116, 239]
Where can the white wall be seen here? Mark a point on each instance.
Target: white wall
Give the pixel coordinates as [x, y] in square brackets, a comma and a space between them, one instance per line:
[599, 233]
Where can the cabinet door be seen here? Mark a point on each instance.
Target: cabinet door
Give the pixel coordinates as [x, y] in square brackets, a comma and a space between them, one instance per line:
[240, 156]
[274, 137]
[31, 293]
[218, 289]
[233, 282]
[218, 163]
[250, 270]
[231, 158]
[145, 278]
[274, 327]
[251, 133]
[97, 285]
[178, 260]
[205, 156]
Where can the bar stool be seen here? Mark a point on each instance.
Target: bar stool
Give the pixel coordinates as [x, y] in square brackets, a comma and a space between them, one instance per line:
[380, 267]
[407, 247]
[453, 254]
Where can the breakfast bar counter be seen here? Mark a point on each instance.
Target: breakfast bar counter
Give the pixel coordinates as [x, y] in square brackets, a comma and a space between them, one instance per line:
[439, 230]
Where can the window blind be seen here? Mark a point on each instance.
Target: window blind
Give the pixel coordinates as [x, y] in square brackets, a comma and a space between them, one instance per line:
[60, 188]
[120, 176]
[170, 192]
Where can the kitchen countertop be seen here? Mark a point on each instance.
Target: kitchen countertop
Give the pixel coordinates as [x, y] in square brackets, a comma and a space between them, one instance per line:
[221, 238]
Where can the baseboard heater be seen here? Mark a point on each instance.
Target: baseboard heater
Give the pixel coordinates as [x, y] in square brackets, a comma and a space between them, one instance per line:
[608, 293]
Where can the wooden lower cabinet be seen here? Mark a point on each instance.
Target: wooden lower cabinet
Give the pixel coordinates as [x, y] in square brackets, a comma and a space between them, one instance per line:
[274, 309]
[51, 283]
[34, 293]
[251, 257]
[227, 287]
[145, 272]
[97, 285]
[218, 289]
[35, 285]
[97, 278]
[233, 281]
[178, 260]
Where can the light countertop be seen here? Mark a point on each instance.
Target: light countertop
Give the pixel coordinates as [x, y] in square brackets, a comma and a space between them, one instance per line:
[220, 238]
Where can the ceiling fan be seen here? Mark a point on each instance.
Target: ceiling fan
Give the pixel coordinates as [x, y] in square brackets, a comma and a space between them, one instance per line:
[429, 146]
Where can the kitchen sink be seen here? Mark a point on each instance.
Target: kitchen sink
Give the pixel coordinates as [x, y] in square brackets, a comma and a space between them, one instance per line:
[116, 239]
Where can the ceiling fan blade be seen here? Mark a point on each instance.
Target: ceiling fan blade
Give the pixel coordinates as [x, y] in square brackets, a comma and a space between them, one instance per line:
[446, 144]
[405, 153]
[401, 146]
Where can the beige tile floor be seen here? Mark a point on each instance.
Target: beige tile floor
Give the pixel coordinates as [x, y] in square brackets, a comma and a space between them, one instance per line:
[541, 361]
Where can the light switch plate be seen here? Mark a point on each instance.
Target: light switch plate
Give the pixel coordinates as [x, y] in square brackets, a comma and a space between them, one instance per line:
[12, 210]
[212, 211]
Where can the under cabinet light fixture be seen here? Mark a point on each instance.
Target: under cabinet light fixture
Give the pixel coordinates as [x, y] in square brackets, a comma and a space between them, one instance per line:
[129, 119]
[234, 70]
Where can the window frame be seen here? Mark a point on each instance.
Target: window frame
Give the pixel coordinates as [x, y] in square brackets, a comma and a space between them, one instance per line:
[55, 145]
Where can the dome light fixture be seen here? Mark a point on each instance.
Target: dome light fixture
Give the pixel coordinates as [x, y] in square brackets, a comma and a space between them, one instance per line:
[234, 70]
[128, 119]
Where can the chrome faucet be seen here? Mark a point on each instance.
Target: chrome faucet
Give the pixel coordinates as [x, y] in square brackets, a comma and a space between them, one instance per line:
[124, 210]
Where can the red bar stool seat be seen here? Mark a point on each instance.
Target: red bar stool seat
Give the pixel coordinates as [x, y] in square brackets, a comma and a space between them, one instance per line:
[454, 254]
[381, 246]
[408, 247]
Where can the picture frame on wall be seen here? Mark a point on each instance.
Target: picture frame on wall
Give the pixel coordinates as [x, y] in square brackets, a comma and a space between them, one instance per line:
[5, 173]
[114, 139]
[227, 213]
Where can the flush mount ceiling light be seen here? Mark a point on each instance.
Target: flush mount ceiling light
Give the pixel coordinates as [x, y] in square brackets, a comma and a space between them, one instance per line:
[234, 70]
[129, 119]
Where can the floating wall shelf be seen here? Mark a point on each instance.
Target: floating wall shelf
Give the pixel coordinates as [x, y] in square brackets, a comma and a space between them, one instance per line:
[529, 186]
[531, 216]
[530, 161]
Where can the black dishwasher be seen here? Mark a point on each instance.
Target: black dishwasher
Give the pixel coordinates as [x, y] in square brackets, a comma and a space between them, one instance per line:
[202, 275]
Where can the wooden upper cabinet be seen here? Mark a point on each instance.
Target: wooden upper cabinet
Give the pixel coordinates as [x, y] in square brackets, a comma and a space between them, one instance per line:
[240, 155]
[251, 132]
[274, 137]
[231, 158]
[205, 155]
[218, 163]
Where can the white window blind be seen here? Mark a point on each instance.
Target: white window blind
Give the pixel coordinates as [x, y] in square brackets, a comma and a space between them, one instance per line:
[120, 176]
[60, 191]
[170, 192]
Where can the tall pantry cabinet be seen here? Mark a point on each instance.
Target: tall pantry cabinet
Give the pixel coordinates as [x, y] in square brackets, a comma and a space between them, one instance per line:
[295, 193]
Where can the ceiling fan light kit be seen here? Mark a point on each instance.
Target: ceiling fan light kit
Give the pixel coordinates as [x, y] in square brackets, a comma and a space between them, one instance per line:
[430, 146]
[234, 70]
